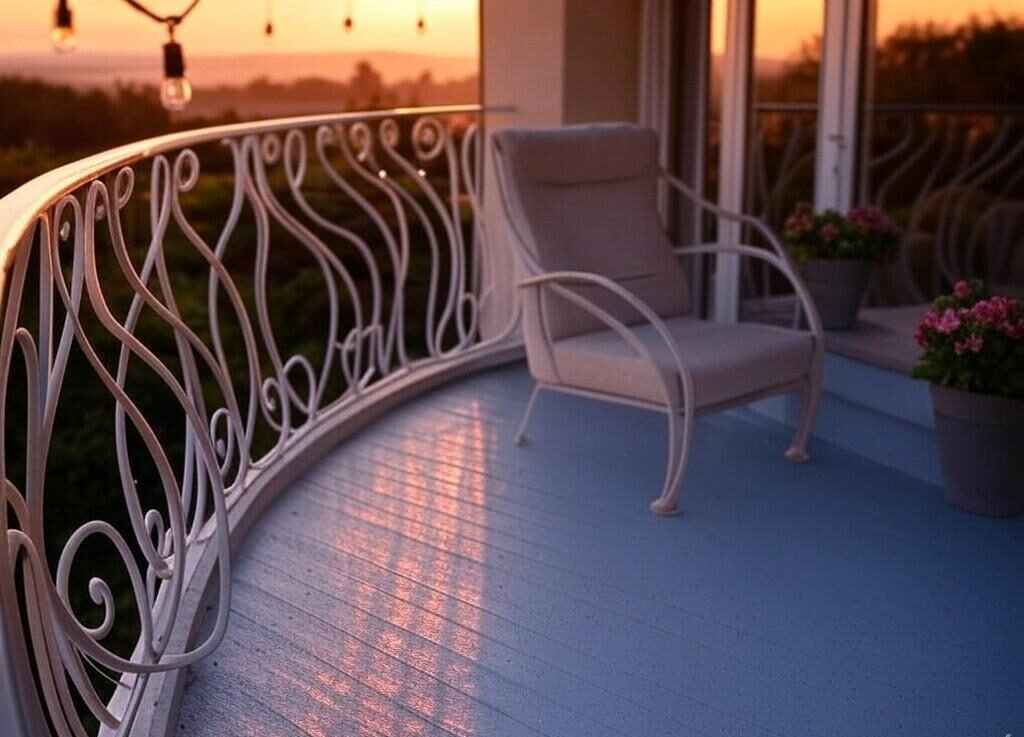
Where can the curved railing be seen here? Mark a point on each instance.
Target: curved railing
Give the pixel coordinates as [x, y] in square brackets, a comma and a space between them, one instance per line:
[209, 311]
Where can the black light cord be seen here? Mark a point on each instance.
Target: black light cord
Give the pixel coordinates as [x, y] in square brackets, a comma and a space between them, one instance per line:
[170, 20]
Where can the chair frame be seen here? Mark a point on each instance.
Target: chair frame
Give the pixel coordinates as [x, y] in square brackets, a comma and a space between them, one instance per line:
[680, 414]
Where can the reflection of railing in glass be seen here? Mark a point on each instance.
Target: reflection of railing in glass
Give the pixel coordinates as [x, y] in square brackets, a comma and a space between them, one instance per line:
[951, 175]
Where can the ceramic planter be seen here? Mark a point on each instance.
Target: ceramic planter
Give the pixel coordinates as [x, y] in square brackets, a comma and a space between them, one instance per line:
[981, 438]
[837, 287]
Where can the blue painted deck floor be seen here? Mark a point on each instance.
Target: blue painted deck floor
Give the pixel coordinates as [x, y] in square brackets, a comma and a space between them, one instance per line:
[430, 578]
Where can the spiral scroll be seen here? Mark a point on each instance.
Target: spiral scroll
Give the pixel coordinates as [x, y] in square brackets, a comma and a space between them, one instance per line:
[376, 219]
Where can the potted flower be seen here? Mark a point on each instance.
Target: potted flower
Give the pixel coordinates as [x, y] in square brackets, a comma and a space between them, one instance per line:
[974, 358]
[837, 256]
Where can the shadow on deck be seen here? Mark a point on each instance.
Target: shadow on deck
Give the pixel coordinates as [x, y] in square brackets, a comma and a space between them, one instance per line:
[430, 578]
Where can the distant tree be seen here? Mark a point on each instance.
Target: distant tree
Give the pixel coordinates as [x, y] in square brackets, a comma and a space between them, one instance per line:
[978, 61]
[61, 118]
[365, 88]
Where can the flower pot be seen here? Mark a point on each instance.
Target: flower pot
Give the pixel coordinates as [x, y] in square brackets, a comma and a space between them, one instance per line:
[981, 437]
[837, 287]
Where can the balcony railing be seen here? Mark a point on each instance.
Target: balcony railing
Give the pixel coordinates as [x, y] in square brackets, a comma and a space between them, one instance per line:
[198, 317]
[952, 175]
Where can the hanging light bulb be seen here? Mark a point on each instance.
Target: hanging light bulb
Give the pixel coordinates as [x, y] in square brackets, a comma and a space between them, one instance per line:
[268, 29]
[348, 24]
[175, 90]
[63, 34]
[421, 18]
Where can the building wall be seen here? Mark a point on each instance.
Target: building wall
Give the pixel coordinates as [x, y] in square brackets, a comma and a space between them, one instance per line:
[555, 62]
[602, 58]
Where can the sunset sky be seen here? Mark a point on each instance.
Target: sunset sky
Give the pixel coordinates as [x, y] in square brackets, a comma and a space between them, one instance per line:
[236, 26]
[783, 24]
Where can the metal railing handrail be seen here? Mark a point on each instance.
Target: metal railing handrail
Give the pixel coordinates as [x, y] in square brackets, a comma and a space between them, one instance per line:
[769, 106]
[229, 375]
[18, 208]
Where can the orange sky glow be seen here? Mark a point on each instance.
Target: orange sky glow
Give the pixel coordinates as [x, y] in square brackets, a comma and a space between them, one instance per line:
[236, 26]
[782, 25]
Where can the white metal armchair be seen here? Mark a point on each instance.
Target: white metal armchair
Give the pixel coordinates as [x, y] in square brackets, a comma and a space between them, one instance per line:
[606, 312]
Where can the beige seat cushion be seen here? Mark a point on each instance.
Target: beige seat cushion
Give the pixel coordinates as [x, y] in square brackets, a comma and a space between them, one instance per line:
[727, 360]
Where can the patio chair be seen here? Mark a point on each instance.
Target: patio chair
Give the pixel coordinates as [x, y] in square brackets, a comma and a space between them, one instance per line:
[606, 311]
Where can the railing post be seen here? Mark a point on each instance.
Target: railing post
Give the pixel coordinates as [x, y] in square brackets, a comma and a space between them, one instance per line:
[10, 710]
[13, 721]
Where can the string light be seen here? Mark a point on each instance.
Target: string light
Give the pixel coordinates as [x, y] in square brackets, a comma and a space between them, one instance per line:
[421, 18]
[349, 23]
[63, 33]
[175, 90]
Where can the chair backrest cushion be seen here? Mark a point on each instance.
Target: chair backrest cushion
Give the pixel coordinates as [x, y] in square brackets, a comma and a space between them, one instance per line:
[584, 198]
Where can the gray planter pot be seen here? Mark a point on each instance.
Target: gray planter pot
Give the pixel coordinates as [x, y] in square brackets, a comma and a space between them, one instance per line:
[981, 450]
[837, 287]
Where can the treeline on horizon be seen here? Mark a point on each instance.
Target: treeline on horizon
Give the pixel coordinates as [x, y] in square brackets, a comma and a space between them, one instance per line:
[979, 61]
[45, 124]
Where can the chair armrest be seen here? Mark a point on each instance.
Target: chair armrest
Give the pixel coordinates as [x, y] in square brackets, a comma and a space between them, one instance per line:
[738, 217]
[783, 265]
[557, 282]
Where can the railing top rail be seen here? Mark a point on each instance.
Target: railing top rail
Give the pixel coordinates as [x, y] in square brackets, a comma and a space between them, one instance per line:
[19, 209]
[898, 107]
[208, 408]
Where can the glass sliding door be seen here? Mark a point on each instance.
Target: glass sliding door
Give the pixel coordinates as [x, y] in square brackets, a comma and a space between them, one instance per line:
[786, 68]
[783, 127]
[942, 141]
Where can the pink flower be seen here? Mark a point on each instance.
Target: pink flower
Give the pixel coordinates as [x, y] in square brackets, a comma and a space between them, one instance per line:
[993, 310]
[961, 290]
[829, 232]
[972, 343]
[1012, 331]
[871, 220]
[948, 322]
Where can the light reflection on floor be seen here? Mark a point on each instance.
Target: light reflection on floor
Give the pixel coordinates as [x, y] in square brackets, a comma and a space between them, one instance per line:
[426, 697]
[429, 578]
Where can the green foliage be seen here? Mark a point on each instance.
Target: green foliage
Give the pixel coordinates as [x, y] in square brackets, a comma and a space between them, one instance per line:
[864, 233]
[973, 342]
[979, 61]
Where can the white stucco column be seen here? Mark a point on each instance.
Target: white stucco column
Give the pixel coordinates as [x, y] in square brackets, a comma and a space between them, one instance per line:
[555, 62]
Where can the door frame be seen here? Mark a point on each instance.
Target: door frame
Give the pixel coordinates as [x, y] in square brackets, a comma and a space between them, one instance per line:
[836, 147]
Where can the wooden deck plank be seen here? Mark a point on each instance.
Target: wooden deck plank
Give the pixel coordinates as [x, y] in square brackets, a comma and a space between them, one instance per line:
[449, 582]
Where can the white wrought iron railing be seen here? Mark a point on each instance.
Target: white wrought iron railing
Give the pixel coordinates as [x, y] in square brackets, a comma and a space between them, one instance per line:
[201, 315]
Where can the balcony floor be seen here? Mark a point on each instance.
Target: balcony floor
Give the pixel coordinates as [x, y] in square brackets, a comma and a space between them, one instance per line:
[430, 578]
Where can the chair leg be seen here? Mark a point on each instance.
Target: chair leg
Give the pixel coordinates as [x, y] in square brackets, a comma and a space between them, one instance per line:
[521, 438]
[797, 452]
[678, 454]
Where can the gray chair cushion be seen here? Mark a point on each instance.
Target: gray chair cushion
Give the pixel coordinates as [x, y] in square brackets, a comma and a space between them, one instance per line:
[727, 361]
[585, 199]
